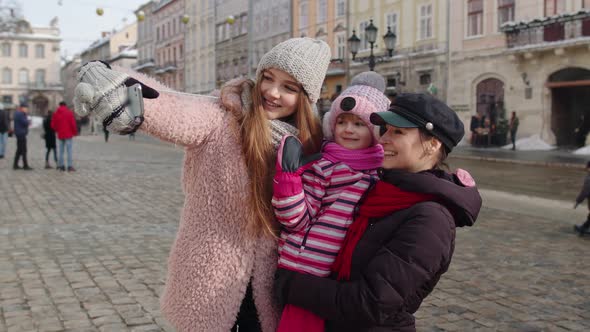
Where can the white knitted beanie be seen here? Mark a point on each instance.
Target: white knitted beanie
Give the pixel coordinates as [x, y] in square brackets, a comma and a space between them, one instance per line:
[364, 96]
[306, 59]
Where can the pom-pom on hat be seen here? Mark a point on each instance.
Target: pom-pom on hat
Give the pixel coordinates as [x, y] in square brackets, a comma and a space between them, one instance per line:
[306, 59]
[363, 97]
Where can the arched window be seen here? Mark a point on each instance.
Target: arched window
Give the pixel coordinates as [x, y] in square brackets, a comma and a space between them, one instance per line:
[23, 76]
[6, 49]
[39, 51]
[23, 50]
[40, 76]
[7, 76]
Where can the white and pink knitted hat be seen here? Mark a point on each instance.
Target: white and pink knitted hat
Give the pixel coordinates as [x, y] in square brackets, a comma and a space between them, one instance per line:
[364, 96]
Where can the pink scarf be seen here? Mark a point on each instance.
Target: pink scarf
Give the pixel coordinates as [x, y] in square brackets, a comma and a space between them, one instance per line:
[359, 160]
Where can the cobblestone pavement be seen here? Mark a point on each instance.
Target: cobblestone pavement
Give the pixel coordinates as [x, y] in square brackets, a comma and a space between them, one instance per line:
[86, 251]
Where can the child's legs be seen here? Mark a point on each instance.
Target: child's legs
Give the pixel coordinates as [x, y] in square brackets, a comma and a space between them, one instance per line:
[295, 319]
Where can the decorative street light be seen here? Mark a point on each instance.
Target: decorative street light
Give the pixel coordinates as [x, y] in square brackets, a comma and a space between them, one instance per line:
[371, 36]
[353, 44]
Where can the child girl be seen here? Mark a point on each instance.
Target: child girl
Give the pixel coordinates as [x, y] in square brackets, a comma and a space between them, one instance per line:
[315, 202]
[222, 262]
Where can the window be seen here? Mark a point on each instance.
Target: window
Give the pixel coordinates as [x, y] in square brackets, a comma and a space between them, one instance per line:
[40, 76]
[158, 34]
[474, 17]
[39, 51]
[340, 8]
[586, 4]
[554, 7]
[391, 20]
[341, 46]
[303, 14]
[23, 50]
[23, 76]
[6, 76]
[181, 51]
[505, 12]
[6, 49]
[425, 79]
[322, 11]
[426, 21]
[244, 24]
[361, 35]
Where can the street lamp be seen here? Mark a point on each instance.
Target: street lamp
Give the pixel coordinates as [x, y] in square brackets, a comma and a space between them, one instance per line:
[371, 35]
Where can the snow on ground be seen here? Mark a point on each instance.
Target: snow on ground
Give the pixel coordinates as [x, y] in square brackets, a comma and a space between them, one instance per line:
[36, 121]
[531, 143]
[583, 150]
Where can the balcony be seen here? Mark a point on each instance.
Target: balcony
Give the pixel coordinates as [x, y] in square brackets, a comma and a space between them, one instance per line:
[145, 64]
[166, 67]
[549, 32]
[43, 86]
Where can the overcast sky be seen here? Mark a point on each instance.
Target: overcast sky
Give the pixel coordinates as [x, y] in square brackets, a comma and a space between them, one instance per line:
[78, 22]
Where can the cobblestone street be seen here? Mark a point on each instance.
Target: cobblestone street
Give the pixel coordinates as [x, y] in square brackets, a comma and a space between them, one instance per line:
[86, 251]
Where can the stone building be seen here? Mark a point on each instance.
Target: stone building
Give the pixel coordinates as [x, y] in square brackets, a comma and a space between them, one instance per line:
[145, 45]
[200, 47]
[169, 43]
[30, 66]
[231, 40]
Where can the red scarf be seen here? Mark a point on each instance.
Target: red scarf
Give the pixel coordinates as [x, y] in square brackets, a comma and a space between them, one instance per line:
[381, 201]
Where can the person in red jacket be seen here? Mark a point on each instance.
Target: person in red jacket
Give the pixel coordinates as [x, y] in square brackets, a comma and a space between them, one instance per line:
[64, 125]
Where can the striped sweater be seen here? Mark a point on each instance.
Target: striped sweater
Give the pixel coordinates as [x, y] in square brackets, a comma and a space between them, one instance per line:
[315, 220]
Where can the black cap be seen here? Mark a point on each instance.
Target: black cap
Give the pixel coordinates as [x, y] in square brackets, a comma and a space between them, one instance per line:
[422, 110]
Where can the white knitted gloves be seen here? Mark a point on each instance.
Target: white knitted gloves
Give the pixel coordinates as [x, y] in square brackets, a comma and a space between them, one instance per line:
[103, 93]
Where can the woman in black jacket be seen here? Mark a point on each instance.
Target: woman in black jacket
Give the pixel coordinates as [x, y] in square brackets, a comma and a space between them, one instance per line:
[50, 141]
[403, 235]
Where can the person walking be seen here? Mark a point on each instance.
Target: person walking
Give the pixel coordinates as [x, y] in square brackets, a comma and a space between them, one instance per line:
[583, 195]
[403, 236]
[513, 127]
[64, 124]
[222, 262]
[49, 137]
[4, 127]
[315, 202]
[21, 130]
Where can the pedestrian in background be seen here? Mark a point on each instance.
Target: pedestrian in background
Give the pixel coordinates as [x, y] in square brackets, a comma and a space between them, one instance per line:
[106, 134]
[4, 127]
[513, 127]
[64, 124]
[403, 235]
[49, 137]
[223, 259]
[583, 195]
[21, 130]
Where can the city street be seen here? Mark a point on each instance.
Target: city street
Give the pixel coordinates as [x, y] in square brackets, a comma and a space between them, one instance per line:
[87, 251]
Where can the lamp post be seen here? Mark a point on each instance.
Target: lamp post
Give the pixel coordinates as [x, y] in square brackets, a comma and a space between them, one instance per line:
[354, 42]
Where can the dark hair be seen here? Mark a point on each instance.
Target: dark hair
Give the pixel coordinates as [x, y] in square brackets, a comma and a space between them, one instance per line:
[443, 153]
[588, 164]
[62, 103]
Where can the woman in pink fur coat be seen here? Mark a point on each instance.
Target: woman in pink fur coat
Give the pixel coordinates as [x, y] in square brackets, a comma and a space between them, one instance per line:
[222, 262]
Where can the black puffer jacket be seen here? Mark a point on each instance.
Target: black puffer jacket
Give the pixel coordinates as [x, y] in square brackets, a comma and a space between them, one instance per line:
[397, 262]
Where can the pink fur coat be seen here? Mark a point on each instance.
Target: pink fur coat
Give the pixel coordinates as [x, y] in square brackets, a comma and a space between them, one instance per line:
[212, 258]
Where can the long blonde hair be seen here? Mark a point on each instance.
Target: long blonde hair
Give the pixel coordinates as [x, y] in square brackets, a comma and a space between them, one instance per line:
[259, 153]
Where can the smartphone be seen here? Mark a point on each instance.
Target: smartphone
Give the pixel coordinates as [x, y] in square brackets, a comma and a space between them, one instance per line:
[135, 97]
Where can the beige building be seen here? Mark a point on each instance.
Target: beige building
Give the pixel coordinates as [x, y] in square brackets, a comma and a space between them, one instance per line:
[30, 66]
[231, 36]
[325, 20]
[200, 47]
[419, 61]
[169, 42]
[111, 44]
[538, 67]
